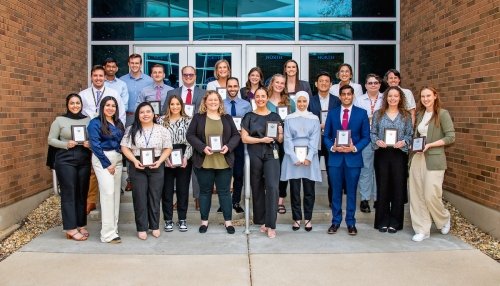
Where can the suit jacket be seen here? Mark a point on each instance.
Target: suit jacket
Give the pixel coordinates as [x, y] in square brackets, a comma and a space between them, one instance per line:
[360, 135]
[315, 105]
[196, 137]
[435, 158]
[198, 94]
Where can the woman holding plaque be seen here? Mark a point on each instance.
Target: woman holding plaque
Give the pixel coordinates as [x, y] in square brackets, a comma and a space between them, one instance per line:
[255, 80]
[222, 72]
[178, 166]
[301, 163]
[293, 84]
[279, 102]
[105, 134]
[428, 166]
[391, 134]
[344, 74]
[214, 136]
[72, 166]
[146, 145]
[261, 131]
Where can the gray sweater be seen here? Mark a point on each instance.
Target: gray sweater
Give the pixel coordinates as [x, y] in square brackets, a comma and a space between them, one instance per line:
[60, 130]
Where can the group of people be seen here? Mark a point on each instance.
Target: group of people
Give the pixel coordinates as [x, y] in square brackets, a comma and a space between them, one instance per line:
[170, 137]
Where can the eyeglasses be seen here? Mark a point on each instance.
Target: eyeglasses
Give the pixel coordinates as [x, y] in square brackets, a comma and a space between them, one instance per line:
[373, 83]
[188, 74]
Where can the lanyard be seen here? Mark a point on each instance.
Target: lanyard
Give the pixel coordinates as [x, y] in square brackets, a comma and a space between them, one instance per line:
[372, 105]
[97, 100]
[149, 138]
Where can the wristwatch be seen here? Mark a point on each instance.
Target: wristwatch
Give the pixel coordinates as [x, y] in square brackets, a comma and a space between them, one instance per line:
[355, 150]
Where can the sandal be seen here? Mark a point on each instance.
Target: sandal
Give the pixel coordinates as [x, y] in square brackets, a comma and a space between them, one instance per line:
[75, 236]
[281, 209]
[308, 228]
[263, 228]
[84, 231]
[271, 233]
[296, 225]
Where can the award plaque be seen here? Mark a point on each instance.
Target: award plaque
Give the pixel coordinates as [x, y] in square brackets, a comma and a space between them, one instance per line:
[301, 153]
[272, 129]
[418, 144]
[222, 91]
[254, 105]
[189, 109]
[237, 122]
[282, 111]
[344, 138]
[324, 114]
[79, 133]
[176, 157]
[390, 136]
[147, 156]
[215, 142]
[156, 107]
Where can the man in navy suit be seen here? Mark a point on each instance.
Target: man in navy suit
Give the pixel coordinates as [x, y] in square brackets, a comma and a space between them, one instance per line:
[345, 162]
[321, 102]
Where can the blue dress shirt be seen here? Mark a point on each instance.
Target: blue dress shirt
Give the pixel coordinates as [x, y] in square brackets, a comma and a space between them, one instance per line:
[242, 106]
[100, 142]
[121, 88]
[135, 86]
[149, 94]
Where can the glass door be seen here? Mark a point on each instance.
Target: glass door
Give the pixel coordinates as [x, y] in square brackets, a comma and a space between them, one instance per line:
[270, 59]
[172, 58]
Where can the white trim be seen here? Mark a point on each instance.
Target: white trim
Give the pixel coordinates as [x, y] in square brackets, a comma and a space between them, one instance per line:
[275, 43]
[356, 63]
[398, 35]
[89, 42]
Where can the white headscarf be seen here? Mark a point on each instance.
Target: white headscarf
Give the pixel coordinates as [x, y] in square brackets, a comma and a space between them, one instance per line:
[305, 113]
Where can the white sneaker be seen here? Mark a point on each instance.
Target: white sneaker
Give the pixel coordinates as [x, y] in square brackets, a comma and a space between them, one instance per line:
[446, 228]
[419, 237]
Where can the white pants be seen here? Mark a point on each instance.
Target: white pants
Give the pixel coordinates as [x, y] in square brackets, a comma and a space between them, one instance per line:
[109, 194]
[426, 197]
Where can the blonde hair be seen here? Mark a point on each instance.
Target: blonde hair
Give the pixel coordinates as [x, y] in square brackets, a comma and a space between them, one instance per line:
[217, 65]
[284, 99]
[203, 106]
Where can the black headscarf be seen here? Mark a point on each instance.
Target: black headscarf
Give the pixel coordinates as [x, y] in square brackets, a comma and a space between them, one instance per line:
[70, 114]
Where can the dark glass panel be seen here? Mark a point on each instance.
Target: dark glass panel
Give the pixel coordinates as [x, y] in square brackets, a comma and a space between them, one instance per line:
[271, 64]
[139, 8]
[319, 31]
[347, 8]
[376, 59]
[248, 31]
[119, 53]
[244, 8]
[319, 62]
[169, 61]
[140, 31]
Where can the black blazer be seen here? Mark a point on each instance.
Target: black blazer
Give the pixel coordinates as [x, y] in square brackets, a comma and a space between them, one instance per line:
[196, 137]
[315, 105]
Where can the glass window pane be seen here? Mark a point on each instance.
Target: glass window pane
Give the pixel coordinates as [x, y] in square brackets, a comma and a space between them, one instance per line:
[119, 53]
[271, 64]
[244, 8]
[205, 64]
[375, 59]
[140, 31]
[169, 61]
[247, 31]
[319, 62]
[139, 8]
[347, 8]
[318, 31]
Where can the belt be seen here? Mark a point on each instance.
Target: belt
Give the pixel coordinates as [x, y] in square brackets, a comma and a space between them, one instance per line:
[130, 113]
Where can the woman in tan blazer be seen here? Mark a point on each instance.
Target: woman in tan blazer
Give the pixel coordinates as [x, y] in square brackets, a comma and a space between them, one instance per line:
[428, 167]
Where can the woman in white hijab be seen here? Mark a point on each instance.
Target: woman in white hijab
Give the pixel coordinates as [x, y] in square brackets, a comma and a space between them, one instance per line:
[301, 141]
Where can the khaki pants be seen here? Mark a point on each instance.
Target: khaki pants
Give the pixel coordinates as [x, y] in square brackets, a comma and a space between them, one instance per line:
[426, 193]
[93, 189]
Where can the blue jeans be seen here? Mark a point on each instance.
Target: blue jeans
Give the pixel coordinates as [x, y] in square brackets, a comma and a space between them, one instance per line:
[222, 180]
[366, 185]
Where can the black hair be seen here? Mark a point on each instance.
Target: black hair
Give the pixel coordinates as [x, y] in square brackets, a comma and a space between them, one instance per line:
[116, 119]
[136, 125]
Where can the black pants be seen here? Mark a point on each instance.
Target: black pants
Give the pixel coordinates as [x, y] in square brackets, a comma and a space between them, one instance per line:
[325, 152]
[309, 197]
[147, 186]
[222, 180]
[238, 171]
[264, 181]
[180, 178]
[73, 173]
[282, 184]
[390, 172]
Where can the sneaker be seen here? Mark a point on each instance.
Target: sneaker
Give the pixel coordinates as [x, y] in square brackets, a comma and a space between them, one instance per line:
[419, 237]
[446, 228]
[182, 224]
[237, 208]
[169, 226]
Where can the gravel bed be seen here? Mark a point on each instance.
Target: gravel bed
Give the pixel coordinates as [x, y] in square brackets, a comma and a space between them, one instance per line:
[48, 215]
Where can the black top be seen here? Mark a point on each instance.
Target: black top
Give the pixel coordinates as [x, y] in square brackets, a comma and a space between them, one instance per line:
[255, 125]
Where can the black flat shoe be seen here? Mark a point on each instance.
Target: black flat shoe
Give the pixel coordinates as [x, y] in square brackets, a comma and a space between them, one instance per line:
[230, 229]
[203, 228]
[392, 230]
[296, 225]
[307, 228]
[383, 229]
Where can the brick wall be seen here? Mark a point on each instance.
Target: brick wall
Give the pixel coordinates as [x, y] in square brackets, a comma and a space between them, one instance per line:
[43, 57]
[454, 46]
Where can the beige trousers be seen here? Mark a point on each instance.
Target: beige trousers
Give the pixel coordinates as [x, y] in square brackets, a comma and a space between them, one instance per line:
[93, 190]
[109, 191]
[426, 193]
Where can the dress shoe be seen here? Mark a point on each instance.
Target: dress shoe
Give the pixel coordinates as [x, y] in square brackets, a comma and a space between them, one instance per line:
[237, 208]
[446, 228]
[203, 228]
[351, 229]
[296, 225]
[230, 229]
[333, 228]
[308, 228]
[364, 206]
[418, 237]
[383, 229]
[90, 207]
[392, 230]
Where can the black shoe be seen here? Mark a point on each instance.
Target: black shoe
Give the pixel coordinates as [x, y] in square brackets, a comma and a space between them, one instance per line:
[375, 204]
[392, 230]
[203, 228]
[364, 206]
[237, 208]
[115, 240]
[333, 228]
[230, 229]
[308, 228]
[383, 229]
[219, 210]
[296, 225]
[352, 230]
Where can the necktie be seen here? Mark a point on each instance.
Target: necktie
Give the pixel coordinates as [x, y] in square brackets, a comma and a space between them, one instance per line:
[189, 97]
[98, 95]
[158, 93]
[233, 108]
[345, 119]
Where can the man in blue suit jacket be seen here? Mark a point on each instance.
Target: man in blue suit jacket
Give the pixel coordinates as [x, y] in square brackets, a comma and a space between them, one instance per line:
[345, 162]
[324, 101]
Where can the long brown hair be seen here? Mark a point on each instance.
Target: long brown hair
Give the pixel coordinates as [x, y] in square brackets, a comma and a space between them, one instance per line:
[284, 99]
[203, 105]
[401, 105]
[166, 119]
[297, 86]
[435, 109]
[248, 85]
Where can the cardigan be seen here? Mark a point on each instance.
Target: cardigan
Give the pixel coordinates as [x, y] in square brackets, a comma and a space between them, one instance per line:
[435, 158]
[196, 137]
